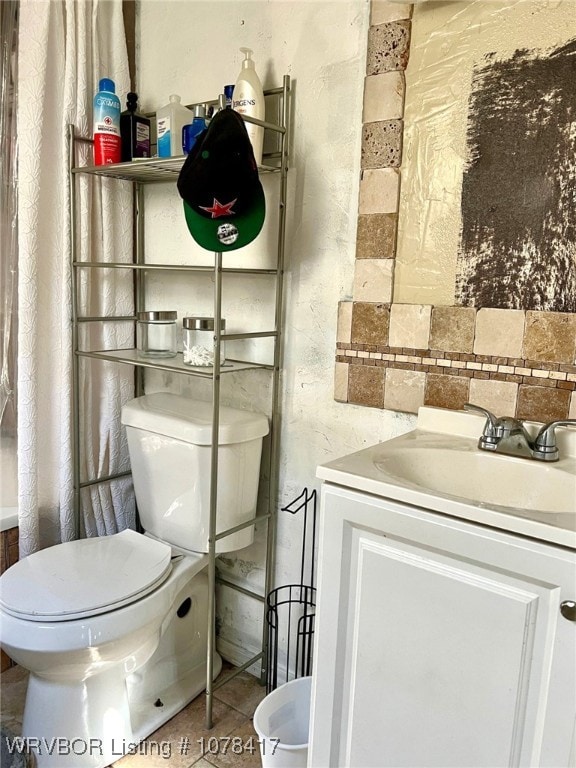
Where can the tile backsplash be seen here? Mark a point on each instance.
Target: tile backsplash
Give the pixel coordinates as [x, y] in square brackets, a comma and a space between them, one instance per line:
[402, 356]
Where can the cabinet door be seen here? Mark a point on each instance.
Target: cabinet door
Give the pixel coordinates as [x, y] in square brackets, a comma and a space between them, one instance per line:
[447, 642]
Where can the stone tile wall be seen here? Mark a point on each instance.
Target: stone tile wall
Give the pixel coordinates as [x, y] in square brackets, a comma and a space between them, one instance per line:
[402, 356]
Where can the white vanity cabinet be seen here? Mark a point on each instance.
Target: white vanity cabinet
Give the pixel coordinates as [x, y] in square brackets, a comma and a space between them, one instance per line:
[439, 642]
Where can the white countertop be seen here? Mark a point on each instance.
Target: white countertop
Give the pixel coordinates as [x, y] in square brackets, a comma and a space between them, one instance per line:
[403, 469]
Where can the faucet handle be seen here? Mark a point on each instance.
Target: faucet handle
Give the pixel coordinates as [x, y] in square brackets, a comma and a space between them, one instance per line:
[490, 433]
[545, 442]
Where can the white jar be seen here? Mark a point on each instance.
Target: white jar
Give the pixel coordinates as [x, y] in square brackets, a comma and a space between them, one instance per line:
[156, 334]
[198, 341]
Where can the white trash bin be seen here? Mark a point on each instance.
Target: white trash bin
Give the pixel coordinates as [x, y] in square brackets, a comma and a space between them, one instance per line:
[282, 722]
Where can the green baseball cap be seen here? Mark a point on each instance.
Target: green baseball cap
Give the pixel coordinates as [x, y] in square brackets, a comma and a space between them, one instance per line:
[224, 202]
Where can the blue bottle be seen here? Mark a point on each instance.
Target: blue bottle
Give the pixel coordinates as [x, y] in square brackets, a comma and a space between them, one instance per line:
[106, 130]
[194, 129]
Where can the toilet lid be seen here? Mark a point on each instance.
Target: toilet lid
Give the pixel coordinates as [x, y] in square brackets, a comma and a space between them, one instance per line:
[82, 578]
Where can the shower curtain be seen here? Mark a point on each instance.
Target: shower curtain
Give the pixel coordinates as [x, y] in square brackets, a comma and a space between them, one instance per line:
[65, 47]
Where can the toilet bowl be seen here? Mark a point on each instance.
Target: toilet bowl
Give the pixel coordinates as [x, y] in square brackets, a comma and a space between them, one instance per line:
[97, 670]
[113, 630]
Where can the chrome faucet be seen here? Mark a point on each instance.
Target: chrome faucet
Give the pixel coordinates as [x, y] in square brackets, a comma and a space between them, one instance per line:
[545, 443]
[508, 435]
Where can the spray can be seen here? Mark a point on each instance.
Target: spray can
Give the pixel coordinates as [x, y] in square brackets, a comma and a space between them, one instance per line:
[106, 131]
[228, 91]
[194, 129]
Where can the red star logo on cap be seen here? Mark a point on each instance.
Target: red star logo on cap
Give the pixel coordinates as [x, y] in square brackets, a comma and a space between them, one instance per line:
[219, 209]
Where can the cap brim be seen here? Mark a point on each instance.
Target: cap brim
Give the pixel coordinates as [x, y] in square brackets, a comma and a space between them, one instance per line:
[226, 233]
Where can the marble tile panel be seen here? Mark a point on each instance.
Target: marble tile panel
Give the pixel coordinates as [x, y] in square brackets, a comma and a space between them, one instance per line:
[366, 385]
[373, 280]
[381, 144]
[382, 11]
[542, 403]
[446, 391]
[242, 751]
[14, 685]
[344, 324]
[550, 336]
[410, 325]
[388, 47]
[452, 329]
[341, 382]
[233, 706]
[384, 97]
[497, 396]
[188, 722]
[379, 188]
[499, 332]
[243, 692]
[376, 236]
[404, 390]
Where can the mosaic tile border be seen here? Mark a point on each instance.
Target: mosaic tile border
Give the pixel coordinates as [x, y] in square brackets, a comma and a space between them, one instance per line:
[488, 367]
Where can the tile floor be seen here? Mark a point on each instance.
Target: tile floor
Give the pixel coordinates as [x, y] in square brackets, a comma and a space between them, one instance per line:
[183, 741]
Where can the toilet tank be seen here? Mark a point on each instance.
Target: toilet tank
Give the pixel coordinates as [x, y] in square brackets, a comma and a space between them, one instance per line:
[169, 441]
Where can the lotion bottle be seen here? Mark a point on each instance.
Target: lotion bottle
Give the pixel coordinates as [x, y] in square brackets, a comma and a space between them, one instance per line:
[169, 123]
[106, 128]
[248, 99]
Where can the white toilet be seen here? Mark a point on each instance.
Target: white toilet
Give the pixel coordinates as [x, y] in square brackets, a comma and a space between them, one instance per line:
[114, 629]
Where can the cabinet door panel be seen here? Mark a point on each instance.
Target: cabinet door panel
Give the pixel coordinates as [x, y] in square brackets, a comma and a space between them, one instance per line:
[446, 638]
[440, 653]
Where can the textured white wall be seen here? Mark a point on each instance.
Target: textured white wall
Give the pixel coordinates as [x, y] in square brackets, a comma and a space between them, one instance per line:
[191, 48]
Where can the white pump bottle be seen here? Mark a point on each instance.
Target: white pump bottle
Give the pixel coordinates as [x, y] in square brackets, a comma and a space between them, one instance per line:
[248, 99]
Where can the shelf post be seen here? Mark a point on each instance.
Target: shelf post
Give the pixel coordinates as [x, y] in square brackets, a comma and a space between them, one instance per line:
[75, 362]
[213, 489]
[278, 362]
[139, 276]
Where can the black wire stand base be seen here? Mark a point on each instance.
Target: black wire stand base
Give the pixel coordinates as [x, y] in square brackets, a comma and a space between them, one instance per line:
[291, 611]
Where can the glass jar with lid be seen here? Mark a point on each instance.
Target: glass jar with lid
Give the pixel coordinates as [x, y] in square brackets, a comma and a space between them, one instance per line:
[156, 334]
[198, 341]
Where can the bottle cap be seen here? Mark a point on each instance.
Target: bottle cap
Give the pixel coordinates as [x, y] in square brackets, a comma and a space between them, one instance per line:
[107, 85]
[247, 63]
[200, 110]
[175, 98]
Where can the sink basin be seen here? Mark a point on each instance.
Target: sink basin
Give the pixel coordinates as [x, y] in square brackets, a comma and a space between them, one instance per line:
[484, 478]
[439, 467]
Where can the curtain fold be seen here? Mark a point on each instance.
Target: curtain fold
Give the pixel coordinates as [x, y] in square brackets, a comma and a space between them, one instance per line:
[65, 47]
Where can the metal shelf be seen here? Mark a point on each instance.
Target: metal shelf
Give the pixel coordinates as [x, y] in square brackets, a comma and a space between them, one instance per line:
[166, 170]
[171, 364]
[172, 267]
[147, 171]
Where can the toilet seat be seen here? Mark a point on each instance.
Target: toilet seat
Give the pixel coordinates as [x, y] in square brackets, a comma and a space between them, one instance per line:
[83, 578]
